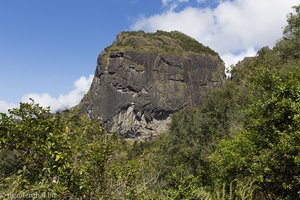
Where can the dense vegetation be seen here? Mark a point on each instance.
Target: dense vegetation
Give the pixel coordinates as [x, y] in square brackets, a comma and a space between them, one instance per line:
[242, 142]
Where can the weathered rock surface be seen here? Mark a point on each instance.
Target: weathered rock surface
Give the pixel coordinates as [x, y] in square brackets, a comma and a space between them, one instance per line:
[142, 79]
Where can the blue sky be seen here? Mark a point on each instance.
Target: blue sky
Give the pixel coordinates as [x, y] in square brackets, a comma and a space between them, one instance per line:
[46, 45]
[48, 49]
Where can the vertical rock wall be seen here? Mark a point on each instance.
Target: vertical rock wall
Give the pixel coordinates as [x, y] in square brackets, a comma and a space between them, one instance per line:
[136, 89]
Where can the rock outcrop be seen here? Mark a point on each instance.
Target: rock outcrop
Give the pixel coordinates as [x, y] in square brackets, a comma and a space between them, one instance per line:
[143, 78]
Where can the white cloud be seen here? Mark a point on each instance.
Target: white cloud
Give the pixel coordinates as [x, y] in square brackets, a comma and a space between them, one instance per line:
[4, 106]
[232, 26]
[173, 2]
[165, 2]
[62, 102]
[232, 59]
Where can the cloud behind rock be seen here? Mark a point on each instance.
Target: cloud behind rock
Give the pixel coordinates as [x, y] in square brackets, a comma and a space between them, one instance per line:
[62, 102]
[231, 28]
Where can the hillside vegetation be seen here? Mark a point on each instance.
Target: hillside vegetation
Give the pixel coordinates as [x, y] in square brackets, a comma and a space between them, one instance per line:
[174, 43]
[242, 142]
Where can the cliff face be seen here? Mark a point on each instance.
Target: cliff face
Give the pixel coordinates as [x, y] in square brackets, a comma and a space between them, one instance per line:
[142, 79]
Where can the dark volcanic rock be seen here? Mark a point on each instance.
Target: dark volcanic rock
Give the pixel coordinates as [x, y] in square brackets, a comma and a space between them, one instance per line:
[143, 78]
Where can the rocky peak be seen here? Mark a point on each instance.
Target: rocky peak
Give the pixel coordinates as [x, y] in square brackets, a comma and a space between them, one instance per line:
[143, 78]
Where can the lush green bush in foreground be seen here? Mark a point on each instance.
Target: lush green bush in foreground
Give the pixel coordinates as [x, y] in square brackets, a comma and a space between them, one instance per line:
[57, 154]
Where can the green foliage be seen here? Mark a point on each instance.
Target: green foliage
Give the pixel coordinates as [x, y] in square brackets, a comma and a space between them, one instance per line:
[187, 43]
[244, 189]
[267, 148]
[132, 177]
[292, 30]
[62, 155]
[290, 44]
[174, 42]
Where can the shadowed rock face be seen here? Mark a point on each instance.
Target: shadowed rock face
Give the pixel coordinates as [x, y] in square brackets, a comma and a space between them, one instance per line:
[136, 90]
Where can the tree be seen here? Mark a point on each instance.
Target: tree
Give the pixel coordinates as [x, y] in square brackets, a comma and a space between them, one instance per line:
[292, 30]
[268, 147]
[63, 154]
[290, 45]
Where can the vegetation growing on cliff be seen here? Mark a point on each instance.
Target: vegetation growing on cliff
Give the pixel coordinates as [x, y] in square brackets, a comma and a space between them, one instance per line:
[163, 42]
[242, 142]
